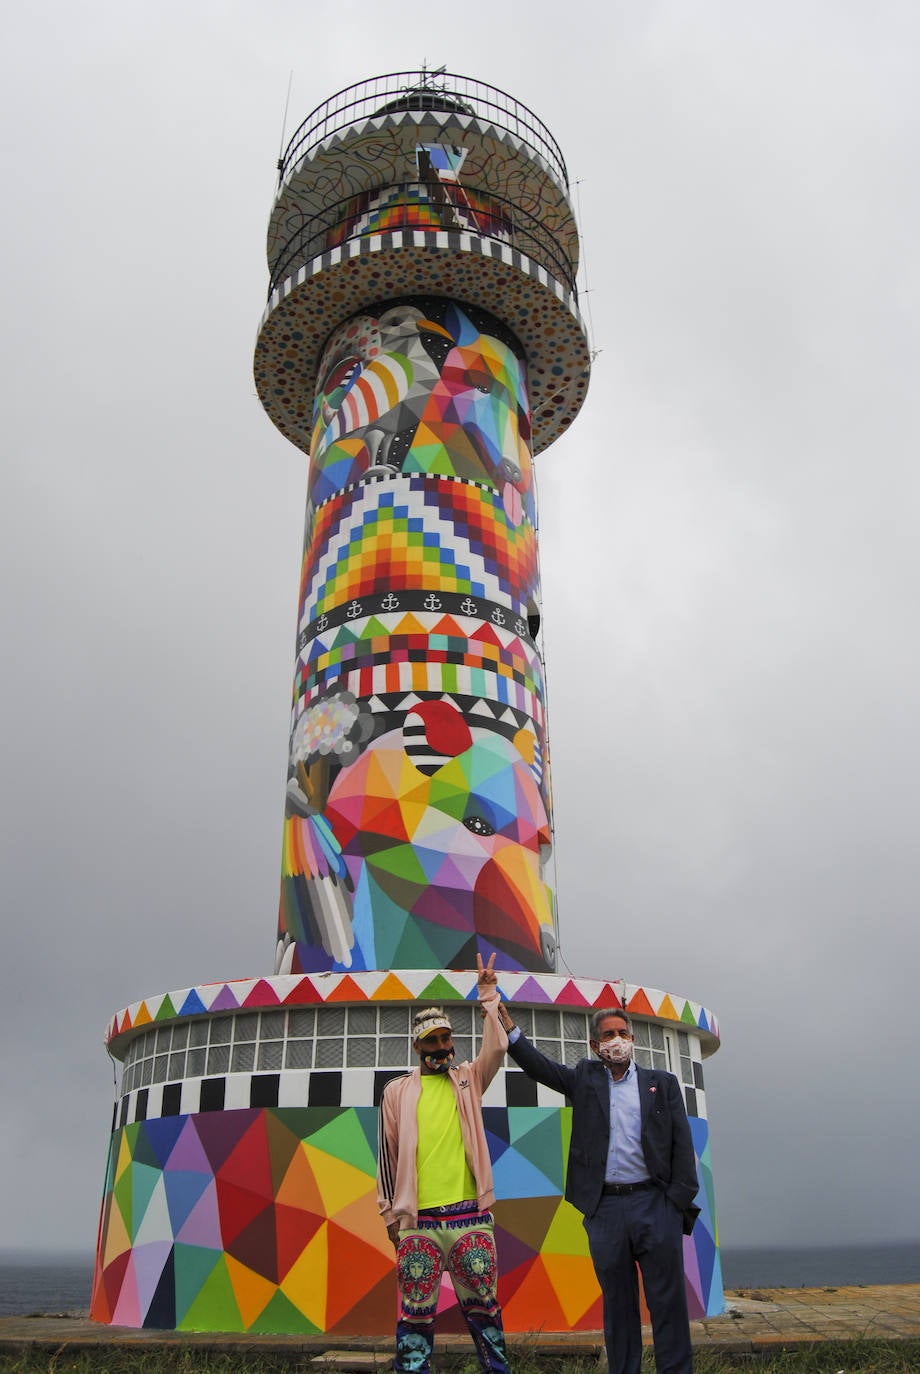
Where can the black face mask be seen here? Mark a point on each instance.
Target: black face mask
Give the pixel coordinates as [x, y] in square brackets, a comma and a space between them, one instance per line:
[439, 1061]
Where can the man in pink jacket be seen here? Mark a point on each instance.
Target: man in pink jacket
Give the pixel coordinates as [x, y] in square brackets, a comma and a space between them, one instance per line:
[434, 1185]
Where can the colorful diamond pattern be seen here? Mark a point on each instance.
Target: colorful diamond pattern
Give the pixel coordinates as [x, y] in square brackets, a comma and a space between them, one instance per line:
[236, 1221]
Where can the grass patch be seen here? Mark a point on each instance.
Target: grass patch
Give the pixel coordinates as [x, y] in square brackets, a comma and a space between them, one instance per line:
[832, 1357]
[72, 1360]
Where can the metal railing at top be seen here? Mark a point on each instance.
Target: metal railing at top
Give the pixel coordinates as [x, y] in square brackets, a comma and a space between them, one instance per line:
[424, 206]
[421, 90]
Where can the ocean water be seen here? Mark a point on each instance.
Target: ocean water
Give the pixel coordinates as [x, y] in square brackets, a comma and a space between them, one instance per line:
[822, 1266]
[33, 1283]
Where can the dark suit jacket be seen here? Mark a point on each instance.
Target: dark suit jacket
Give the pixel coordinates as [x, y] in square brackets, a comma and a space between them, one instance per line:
[666, 1141]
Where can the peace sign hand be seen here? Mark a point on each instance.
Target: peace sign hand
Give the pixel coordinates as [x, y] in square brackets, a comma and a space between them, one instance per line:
[485, 973]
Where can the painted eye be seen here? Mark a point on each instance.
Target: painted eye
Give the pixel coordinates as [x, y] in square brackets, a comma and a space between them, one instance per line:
[478, 825]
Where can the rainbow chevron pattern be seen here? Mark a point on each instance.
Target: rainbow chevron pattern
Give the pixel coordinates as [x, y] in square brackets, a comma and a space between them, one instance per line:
[416, 532]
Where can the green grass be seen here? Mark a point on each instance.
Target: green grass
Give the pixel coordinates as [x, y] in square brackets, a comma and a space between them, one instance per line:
[836, 1357]
[833, 1357]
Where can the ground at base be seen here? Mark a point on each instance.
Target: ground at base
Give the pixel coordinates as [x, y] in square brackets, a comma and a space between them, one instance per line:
[756, 1320]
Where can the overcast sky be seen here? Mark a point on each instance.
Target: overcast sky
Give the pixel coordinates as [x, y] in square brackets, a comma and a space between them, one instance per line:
[729, 548]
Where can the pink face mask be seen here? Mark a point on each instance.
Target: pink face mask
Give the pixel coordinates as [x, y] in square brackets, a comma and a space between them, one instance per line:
[616, 1051]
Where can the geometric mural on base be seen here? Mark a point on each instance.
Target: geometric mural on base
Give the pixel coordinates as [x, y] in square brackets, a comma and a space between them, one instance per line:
[234, 1220]
[702, 1261]
[226, 1220]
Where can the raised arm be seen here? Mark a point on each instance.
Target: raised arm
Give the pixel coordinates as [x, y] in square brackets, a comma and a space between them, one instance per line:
[494, 1040]
[535, 1064]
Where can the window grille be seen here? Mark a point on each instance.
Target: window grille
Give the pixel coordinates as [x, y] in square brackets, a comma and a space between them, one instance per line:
[377, 1037]
[298, 1054]
[271, 1053]
[651, 1051]
[686, 1063]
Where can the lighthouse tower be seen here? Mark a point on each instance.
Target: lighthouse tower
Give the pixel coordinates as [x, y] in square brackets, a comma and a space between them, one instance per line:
[422, 343]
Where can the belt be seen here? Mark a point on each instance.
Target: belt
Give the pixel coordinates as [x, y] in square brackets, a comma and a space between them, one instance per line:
[621, 1189]
[450, 1209]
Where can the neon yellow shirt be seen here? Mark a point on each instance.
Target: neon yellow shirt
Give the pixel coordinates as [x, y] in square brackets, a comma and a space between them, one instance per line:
[444, 1174]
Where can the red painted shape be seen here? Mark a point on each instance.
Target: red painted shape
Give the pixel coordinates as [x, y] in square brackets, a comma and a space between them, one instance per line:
[113, 1277]
[593, 1319]
[248, 1165]
[304, 992]
[256, 1247]
[364, 1264]
[294, 1229]
[486, 635]
[445, 729]
[607, 998]
[374, 1314]
[262, 995]
[238, 1207]
[571, 997]
[221, 1132]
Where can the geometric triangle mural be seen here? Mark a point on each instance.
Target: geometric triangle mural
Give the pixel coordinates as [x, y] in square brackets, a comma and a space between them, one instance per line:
[247, 1243]
[238, 1243]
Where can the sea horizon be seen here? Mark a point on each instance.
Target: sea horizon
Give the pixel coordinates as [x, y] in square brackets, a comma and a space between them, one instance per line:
[817, 1266]
[58, 1282]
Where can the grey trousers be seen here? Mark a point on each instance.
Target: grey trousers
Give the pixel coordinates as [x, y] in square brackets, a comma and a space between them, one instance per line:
[645, 1229]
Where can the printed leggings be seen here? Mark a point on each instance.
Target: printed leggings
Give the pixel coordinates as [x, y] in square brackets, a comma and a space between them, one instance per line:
[464, 1245]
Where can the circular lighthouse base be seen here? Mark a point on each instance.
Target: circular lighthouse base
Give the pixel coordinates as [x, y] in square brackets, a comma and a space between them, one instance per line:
[242, 1164]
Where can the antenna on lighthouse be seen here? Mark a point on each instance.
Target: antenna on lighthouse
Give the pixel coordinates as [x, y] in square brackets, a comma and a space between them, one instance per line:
[287, 101]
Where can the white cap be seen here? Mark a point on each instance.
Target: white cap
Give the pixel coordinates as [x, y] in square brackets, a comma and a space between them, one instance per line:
[431, 1019]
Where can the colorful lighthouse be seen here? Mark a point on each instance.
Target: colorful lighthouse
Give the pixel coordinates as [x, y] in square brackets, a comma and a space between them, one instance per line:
[422, 343]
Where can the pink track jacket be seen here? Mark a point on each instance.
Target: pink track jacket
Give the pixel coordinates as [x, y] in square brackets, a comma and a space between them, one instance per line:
[397, 1184]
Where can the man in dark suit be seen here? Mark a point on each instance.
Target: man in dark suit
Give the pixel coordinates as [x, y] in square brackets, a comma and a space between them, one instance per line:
[632, 1172]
